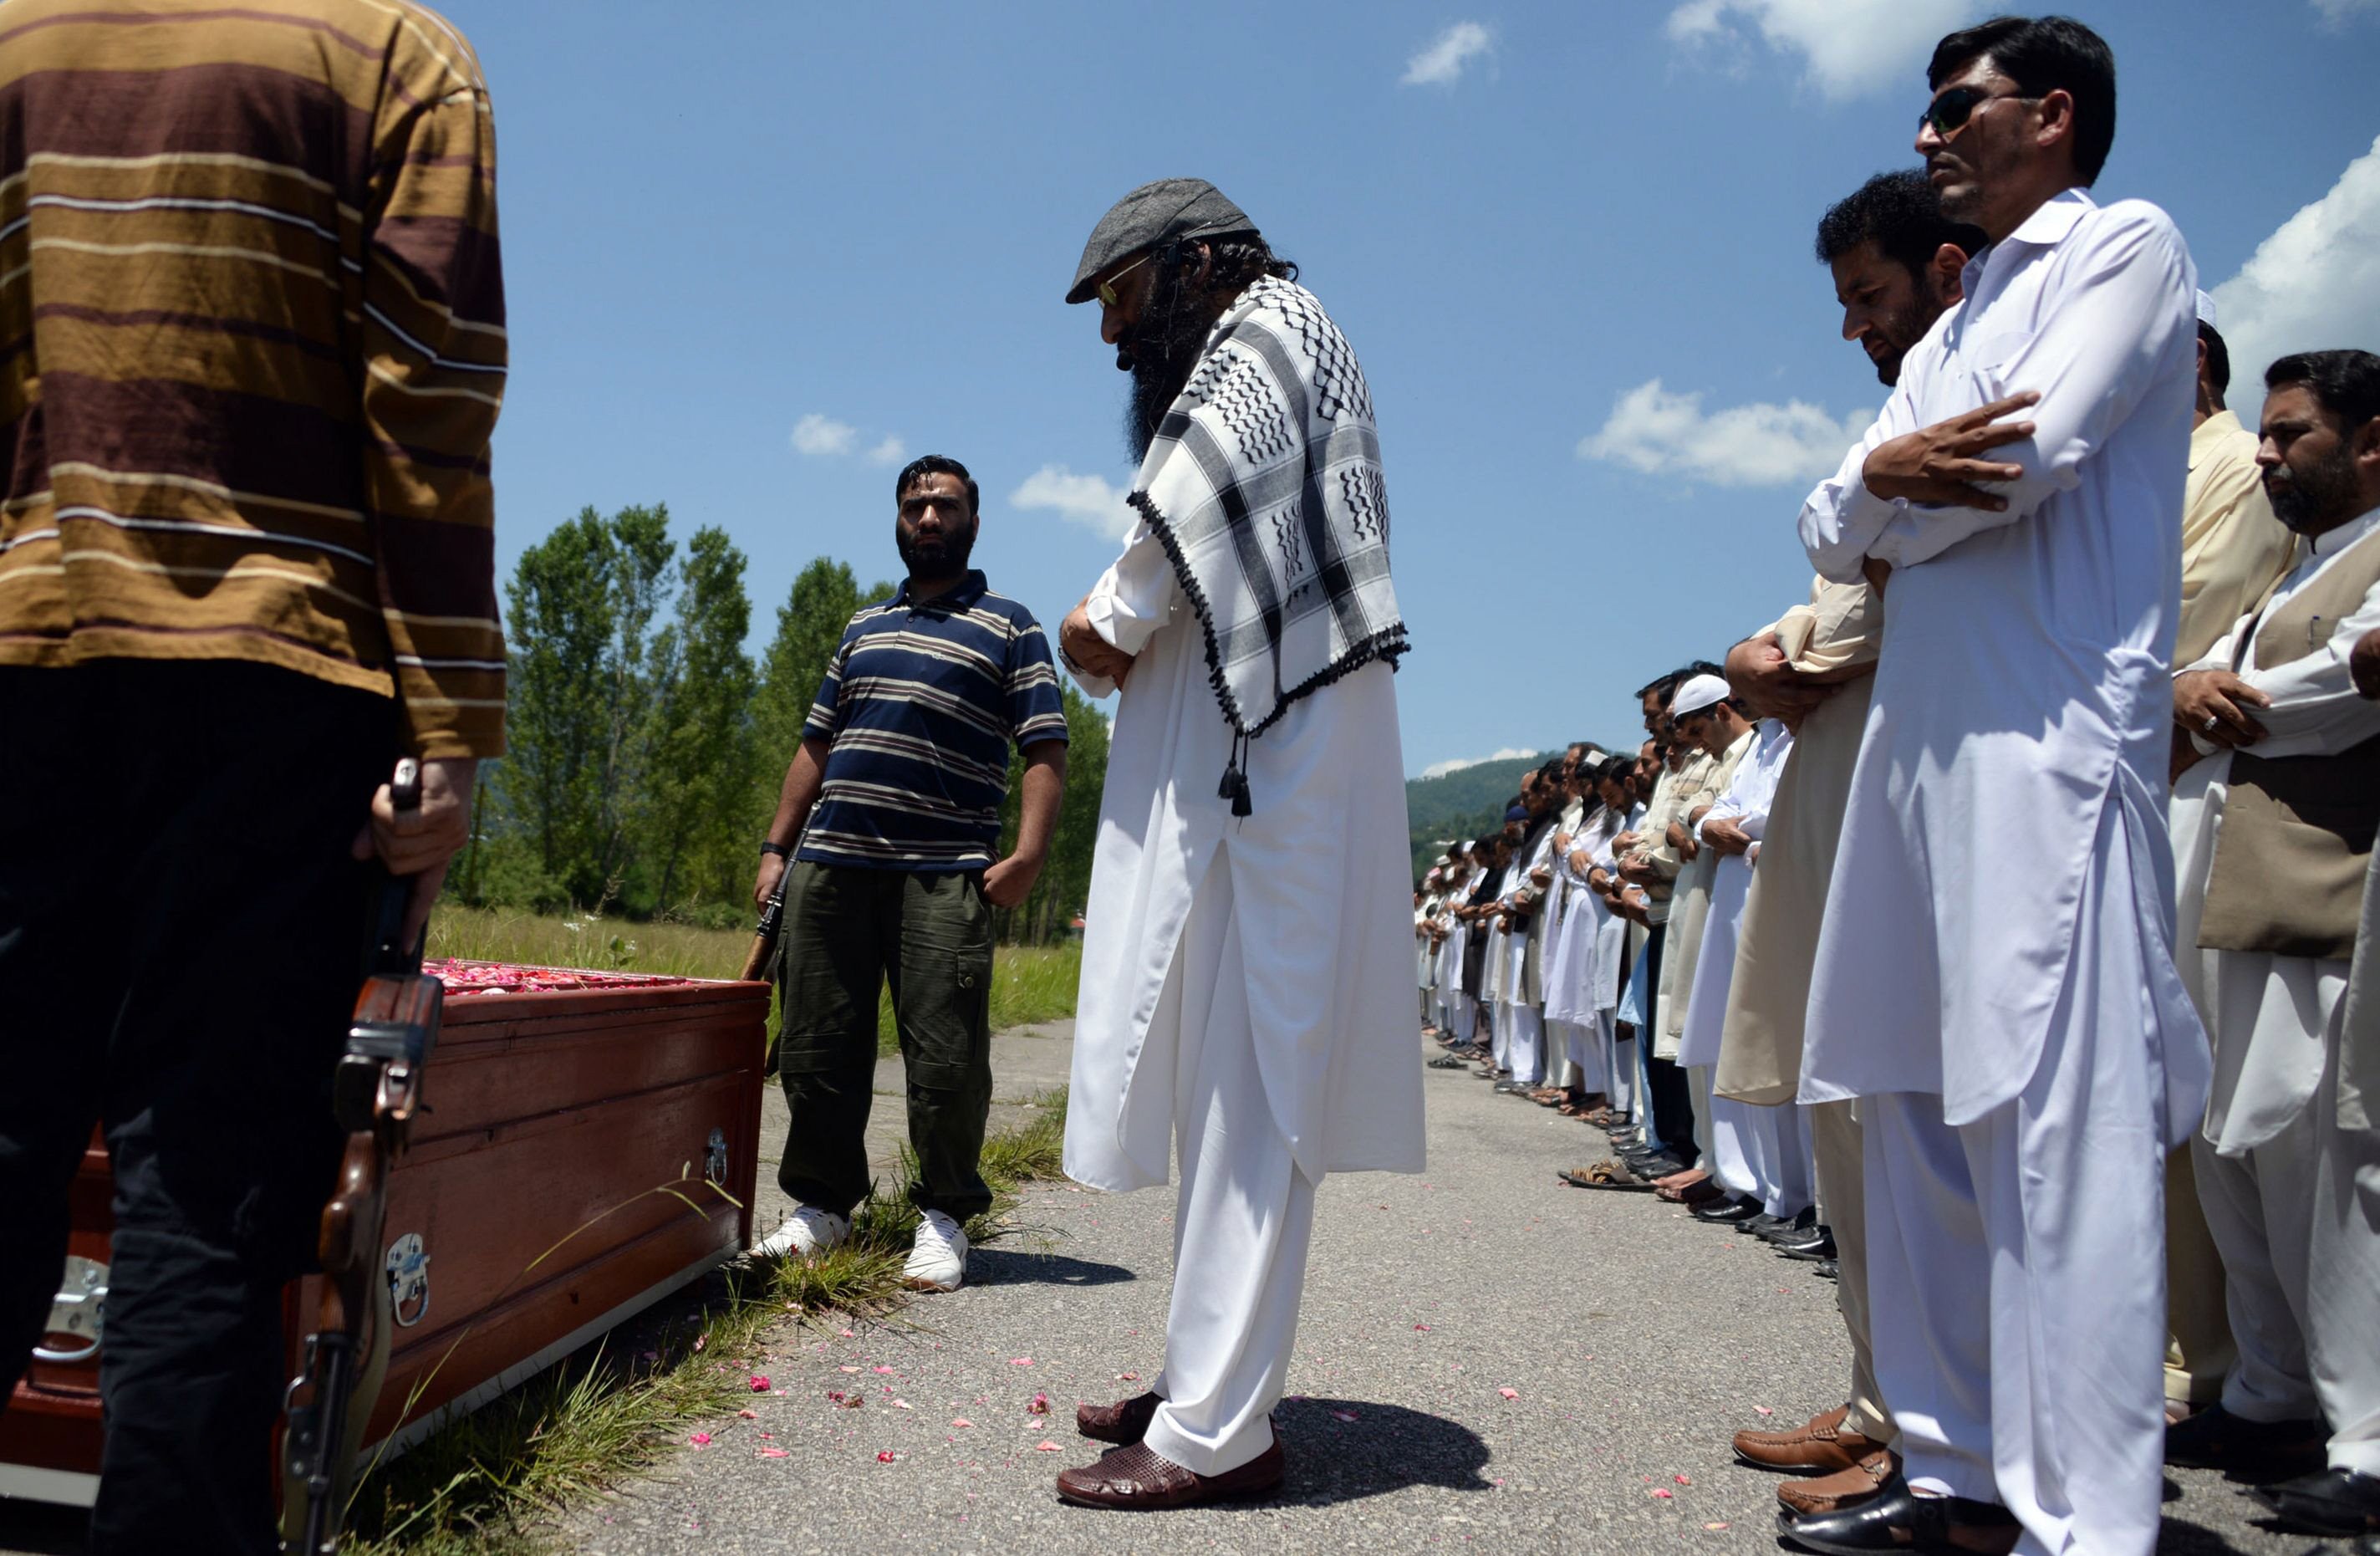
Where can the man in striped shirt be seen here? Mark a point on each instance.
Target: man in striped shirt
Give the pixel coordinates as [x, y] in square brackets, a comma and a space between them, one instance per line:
[894, 797]
[251, 349]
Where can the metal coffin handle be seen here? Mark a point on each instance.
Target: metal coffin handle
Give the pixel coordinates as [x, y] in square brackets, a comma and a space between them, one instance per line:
[78, 1309]
[409, 1280]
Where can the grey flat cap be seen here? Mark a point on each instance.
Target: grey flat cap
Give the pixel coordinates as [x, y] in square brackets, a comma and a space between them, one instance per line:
[1152, 214]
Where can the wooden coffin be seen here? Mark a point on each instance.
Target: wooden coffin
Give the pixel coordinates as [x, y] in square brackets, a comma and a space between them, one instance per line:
[571, 1118]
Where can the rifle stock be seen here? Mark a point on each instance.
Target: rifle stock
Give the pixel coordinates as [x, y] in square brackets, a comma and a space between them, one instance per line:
[772, 921]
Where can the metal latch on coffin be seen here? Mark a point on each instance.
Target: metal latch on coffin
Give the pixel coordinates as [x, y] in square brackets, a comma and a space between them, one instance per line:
[409, 1280]
[78, 1310]
[714, 1160]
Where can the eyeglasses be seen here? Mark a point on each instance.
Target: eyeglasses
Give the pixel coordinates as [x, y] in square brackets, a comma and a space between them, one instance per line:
[1107, 287]
[1949, 113]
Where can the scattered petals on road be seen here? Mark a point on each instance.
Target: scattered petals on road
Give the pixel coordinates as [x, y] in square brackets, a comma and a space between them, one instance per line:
[700, 1439]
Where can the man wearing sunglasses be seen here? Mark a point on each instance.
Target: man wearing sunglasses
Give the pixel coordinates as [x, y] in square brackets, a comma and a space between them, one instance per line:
[1244, 970]
[2033, 1057]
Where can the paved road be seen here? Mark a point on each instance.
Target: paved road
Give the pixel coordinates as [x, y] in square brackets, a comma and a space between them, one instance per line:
[1633, 1340]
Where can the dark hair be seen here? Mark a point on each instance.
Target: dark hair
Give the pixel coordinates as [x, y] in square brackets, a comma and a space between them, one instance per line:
[2346, 383]
[2218, 360]
[927, 465]
[2043, 54]
[1660, 687]
[1551, 773]
[1900, 215]
[1699, 667]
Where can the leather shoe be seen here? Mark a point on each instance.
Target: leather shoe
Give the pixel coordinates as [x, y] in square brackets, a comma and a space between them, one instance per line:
[1845, 1488]
[1794, 1231]
[1896, 1518]
[2336, 1501]
[1125, 1421]
[1730, 1211]
[1826, 1270]
[2216, 1438]
[1819, 1446]
[1761, 1224]
[1816, 1250]
[1137, 1476]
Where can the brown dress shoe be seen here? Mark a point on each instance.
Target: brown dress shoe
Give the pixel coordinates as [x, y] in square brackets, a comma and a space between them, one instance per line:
[1139, 1477]
[1845, 1488]
[1124, 1422]
[1820, 1446]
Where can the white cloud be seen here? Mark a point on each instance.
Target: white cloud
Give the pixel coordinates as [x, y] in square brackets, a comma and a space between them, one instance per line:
[892, 451]
[2339, 12]
[1849, 47]
[1658, 432]
[1440, 768]
[1441, 64]
[817, 434]
[1090, 500]
[2315, 283]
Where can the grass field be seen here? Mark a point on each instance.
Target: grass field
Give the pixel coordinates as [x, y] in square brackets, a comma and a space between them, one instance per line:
[1028, 983]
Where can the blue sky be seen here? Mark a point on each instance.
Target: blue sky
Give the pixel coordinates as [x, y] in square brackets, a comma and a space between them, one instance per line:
[756, 254]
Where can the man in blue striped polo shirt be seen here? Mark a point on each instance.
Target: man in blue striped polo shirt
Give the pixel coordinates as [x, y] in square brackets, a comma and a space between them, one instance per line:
[894, 797]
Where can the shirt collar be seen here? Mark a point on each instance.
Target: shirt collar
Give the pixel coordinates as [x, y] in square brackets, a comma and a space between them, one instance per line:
[2332, 541]
[2046, 229]
[2219, 428]
[970, 590]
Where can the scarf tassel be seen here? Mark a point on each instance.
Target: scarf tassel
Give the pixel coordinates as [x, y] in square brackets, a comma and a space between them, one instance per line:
[1235, 779]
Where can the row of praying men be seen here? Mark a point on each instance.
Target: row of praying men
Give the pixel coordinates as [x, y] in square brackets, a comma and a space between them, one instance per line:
[1996, 927]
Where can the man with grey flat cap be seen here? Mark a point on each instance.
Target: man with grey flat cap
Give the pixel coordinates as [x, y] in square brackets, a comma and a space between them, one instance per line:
[1246, 968]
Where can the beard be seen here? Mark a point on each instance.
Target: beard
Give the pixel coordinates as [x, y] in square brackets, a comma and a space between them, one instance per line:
[1898, 332]
[1161, 352]
[2318, 497]
[944, 556]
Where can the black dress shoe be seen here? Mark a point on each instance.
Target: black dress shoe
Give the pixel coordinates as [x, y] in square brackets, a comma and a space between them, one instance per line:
[1826, 1270]
[2216, 1438]
[1730, 1211]
[1758, 1225]
[1816, 1250]
[2336, 1501]
[1899, 1519]
[1796, 1230]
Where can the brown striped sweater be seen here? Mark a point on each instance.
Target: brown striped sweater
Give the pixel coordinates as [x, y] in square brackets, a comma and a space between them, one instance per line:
[252, 346]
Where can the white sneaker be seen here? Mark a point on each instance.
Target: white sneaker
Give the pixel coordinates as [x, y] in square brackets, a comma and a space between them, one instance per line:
[938, 1260]
[804, 1234]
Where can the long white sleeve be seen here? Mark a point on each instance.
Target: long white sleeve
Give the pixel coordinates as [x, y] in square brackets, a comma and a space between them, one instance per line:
[1137, 595]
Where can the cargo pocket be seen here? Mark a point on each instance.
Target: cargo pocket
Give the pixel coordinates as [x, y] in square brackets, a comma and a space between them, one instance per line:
[944, 1002]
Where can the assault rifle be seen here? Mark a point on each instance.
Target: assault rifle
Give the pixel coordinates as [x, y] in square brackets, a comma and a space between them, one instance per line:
[374, 1093]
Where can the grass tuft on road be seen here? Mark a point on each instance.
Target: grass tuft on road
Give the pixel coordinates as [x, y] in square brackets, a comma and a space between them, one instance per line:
[489, 1484]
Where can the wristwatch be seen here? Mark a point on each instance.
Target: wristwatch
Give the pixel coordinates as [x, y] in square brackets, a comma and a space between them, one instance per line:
[777, 848]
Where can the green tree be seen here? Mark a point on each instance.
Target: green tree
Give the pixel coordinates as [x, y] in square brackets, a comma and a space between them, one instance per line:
[696, 756]
[580, 606]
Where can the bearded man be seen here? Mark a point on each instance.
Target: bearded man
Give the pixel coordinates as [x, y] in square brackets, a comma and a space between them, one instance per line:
[1245, 961]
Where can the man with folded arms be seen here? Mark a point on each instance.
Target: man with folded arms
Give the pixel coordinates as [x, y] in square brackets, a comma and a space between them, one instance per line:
[1995, 977]
[1895, 259]
[2273, 830]
[1243, 996]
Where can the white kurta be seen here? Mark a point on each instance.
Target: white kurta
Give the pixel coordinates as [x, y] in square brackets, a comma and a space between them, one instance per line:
[1318, 878]
[1746, 803]
[2021, 693]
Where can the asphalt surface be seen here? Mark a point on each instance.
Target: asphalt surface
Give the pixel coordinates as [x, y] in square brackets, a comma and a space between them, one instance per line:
[1487, 1358]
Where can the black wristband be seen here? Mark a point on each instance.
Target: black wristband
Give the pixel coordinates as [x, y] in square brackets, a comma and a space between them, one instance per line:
[777, 848]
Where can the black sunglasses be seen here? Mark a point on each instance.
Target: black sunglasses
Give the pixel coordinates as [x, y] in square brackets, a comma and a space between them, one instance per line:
[1949, 113]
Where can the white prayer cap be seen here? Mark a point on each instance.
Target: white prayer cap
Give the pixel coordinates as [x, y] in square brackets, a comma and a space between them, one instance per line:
[1698, 693]
[2206, 311]
[1446, 858]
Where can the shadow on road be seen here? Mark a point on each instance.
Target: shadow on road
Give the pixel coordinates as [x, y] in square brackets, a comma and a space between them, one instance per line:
[1015, 1267]
[1384, 1448]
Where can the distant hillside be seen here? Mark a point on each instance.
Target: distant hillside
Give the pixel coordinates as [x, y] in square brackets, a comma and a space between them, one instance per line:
[1463, 803]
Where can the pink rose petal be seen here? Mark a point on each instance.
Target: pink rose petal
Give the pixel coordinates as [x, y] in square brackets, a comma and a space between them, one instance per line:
[886, 1457]
[749, 1414]
[1763, 1410]
[1509, 1393]
[760, 1384]
[1127, 1376]
[1041, 1406]
[772, 1452]
[849, 1335]
[900, 1405]
[1045, 1446]
[1020, 1361]
[1682, 1480]
[700, 1340]
[700, 1439]
[1665, 1493]
[962, 1423]
[885, 1371]
[1421, 1327]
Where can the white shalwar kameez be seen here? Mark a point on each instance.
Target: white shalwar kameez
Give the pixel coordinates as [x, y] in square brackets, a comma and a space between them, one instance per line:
[1996, 968]
[1243, 996]
[2286, 1187]
[1573, 968]
[1762, 1152]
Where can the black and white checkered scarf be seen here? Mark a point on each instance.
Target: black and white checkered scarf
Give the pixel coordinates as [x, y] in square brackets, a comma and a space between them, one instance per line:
[1264, 486]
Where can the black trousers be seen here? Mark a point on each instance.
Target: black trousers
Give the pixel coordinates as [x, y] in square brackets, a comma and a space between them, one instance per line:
[181, 937]
[1670, 1103]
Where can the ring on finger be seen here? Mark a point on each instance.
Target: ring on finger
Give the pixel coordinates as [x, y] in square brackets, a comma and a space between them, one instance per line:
[2211, 721]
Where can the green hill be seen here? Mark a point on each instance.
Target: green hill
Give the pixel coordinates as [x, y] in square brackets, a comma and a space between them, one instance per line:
[1463, 803]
